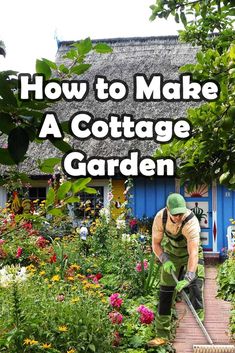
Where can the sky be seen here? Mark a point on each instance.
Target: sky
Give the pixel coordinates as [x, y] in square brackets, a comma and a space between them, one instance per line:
[31, 28]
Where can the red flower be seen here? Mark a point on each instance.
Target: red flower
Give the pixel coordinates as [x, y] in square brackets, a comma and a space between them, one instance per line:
[52, 258]
[19, 252]
[27, 226]
[41, 242]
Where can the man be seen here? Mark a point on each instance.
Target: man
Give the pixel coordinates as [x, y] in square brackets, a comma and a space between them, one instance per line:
[175, 241]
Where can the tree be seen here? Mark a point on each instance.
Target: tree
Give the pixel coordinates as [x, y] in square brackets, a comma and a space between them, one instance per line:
[210, 152]
[21, 120]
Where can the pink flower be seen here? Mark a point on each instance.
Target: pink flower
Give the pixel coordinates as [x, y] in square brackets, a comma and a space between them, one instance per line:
[19, 252]
[60, 297]
[116, 317]
[146, 315]
[115, 300]
[2, 241]
[139, 266]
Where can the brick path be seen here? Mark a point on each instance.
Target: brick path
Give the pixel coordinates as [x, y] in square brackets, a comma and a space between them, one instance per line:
[216, 319]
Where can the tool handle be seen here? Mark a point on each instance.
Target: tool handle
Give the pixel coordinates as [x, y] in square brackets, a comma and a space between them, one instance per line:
[187, 300]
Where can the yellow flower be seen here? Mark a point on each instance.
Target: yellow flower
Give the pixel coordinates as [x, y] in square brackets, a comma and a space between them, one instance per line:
[30, 342]
[70, 278]
[42, 263]
[27, 341]
[88, 270]
[46, 345]
[31, 267]
[55, 278]
[63, 328]
[75, 267]
[35, 201]
[103, 301]
[42, 273]
[75, 300]
[80, 276]
[71, 351]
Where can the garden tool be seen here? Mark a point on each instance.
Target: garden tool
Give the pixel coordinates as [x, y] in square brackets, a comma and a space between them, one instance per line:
[211, 347]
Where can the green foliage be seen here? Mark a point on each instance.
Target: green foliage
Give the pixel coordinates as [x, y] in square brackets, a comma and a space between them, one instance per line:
[21, 120]
[226, 286]
[226, 278]
[209, 153]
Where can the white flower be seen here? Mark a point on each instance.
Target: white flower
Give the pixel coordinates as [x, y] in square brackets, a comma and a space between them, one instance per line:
[104, 212]
[12, 274]
[121, 223]
[83, 233]
[126, 237]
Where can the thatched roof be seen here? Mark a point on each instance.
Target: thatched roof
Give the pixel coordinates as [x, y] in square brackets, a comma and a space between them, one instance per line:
[130, 56]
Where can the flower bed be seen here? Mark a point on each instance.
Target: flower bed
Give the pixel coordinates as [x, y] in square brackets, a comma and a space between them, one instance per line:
[64, 294]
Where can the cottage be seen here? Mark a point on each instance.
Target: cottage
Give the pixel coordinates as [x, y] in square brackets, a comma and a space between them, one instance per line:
[213, 204]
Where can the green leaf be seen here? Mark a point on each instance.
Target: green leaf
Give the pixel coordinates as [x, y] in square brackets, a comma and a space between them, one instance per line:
[6, 123]
[183, 19]
[84, 46]
[65, 125]
[72, 199]
[103, 48]
[6, 91]
[224, 177]
[90, 190]
[55, 212]
[18, 142]
[63, 69]
[5, 157]
[80, 184]
[50, 197]
[177, 18]
[61, 145]
[80, 69]
[63, 190]
[47, 166]
[50, 63]
[92, 347]
[43, 68]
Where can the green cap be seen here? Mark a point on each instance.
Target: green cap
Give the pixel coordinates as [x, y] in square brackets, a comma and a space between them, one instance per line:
[176, 204]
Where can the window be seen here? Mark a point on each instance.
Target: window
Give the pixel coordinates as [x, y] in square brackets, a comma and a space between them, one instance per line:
[89, 204]
[36, 193]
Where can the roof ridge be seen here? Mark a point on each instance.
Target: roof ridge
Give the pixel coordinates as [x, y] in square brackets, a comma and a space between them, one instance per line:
[172, 38]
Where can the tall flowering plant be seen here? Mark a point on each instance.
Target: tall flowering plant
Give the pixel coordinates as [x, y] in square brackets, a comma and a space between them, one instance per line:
[148, 273]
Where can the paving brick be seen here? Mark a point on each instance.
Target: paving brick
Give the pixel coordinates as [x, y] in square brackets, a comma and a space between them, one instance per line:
[216, 319]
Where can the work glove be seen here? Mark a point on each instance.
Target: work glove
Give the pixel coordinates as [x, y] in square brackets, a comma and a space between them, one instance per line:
[181, 285]
[188, 278]
[168, 266]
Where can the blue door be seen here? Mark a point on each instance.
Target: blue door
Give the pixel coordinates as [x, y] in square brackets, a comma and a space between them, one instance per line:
[199, 201]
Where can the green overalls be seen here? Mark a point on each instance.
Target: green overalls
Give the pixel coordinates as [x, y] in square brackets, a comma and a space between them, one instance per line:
[176, 248]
